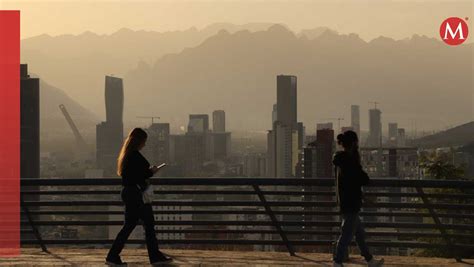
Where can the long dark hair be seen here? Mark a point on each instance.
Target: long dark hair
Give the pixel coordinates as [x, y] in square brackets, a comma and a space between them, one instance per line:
[349, 141]
[134, 140]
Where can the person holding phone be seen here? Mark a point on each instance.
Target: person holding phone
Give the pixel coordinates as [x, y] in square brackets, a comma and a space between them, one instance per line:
[135, 172]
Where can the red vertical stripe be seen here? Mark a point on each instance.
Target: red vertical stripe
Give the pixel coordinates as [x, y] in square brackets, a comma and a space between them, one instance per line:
[9, 133]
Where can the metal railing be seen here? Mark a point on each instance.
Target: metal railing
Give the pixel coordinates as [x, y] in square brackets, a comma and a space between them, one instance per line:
[290, 213]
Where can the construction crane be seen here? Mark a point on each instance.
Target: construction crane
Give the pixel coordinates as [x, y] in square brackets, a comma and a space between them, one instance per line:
[375, 103]
[149, 117]
[336, 119]
[79, 139]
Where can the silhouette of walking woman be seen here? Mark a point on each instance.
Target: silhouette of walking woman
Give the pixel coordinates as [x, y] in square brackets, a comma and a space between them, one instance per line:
[349, 178]
[135, 172]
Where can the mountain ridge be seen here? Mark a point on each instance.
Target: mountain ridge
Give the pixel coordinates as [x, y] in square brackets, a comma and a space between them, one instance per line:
[363, 65]
[460, 135]
[341, 68]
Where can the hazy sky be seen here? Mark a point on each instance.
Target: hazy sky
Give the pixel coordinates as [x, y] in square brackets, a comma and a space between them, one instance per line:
[369, 18]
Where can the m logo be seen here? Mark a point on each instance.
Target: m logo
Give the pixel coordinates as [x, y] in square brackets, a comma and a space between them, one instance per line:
[454, 31]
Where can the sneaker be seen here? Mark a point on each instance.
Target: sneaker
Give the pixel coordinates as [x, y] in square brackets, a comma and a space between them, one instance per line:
[162, 260]
[335, 264]
[375, 262]
[115, 262]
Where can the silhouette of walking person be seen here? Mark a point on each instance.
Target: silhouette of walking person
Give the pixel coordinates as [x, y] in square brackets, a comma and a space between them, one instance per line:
[349, 178]
[135, 172]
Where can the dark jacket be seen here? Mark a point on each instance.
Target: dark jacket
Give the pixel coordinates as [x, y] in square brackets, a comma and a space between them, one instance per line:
[136, 170]
[350, 178]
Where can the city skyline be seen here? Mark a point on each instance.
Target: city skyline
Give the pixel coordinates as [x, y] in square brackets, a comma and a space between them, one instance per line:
[242, 130]
[167, 79]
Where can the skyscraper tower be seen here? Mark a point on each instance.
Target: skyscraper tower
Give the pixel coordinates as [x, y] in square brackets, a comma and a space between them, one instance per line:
[324, 153]
[392, 134]
[355, 119]
[114, 100]
[29, 125]
[286, 100]
[274, 113]
[401, 137]
[375, 128]
[218, 121]
[283, 144]
[157, 149]
[109, 134]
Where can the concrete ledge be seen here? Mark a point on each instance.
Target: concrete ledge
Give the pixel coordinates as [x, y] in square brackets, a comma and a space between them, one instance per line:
[138, 257]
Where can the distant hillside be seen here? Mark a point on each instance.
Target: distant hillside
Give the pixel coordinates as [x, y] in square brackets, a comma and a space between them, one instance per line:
[237, 72]
[461, 135]
[315, 33]
[78, 63]
[52, 122]
[234, 67]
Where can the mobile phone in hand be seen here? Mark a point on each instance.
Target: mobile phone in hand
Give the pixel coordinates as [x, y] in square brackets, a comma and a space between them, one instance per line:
[161, 165]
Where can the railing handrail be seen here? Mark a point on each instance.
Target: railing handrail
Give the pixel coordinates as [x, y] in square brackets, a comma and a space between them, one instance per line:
[317, 202]
[375, 182]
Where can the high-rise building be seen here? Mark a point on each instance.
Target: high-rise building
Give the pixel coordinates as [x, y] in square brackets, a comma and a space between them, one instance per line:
[219, 145]
[301, 135]
[282, 151]
[157, 149]
[274, 113]
[255, 165]
[109, 134]
[309, 160]
[177, 149]
[271, 162]
[198, 123]
[283, 144]
[375, 128]
[114, 100]
[401, 137]
[309, 139]
[324, 150]
[218, 121]
[187, 152]
[286, 100]
[284, 159]
[29, 125]
[355, 119]
[392, 134]
[195, 153]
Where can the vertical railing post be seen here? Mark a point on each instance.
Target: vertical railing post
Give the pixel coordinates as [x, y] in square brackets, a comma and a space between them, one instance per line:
[32, 224]
[275, 222]
[437, 221]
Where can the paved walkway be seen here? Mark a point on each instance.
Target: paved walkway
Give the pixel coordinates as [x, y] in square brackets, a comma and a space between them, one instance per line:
[138, 257]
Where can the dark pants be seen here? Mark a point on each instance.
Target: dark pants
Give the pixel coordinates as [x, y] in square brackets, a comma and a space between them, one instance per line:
[135, 209]
[351, 225]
